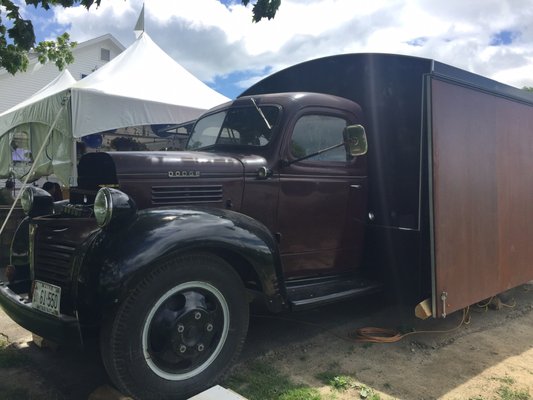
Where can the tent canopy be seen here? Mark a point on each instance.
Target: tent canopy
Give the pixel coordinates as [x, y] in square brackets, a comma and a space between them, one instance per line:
[141, 86]
[24, 127]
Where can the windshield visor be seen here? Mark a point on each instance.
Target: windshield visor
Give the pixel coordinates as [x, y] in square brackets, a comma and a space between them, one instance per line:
[245, 126]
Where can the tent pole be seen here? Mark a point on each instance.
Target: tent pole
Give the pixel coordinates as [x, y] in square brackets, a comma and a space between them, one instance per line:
[73, 180]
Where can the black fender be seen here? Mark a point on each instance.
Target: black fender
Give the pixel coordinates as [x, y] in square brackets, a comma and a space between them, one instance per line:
[123, 254]
[19, 253]
[20, 245]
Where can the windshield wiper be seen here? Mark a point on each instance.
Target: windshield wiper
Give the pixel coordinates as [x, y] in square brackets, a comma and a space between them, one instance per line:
[316, 153]
[261, 113]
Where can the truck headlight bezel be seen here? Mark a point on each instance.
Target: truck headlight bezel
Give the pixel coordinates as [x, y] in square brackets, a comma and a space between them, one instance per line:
[36, 202]
[103, 207]
[111, 206]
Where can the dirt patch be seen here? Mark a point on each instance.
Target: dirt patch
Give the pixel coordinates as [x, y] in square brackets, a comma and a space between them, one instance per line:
[470, 361]
[473, 360]
[464, 365]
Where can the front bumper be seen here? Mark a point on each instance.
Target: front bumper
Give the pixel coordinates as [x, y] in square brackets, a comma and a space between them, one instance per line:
[63, 330]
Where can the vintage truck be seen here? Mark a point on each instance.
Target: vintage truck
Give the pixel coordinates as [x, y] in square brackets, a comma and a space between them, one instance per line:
[331, 179]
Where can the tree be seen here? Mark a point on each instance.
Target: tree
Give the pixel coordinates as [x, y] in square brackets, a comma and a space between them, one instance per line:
[263, 9]
[127, 144]
[528, 88]
[17, 41]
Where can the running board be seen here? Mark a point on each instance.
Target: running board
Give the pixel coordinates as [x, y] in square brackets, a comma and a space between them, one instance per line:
[307, 293]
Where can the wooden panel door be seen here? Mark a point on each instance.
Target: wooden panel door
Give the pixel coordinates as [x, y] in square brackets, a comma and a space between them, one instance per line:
[482, 161]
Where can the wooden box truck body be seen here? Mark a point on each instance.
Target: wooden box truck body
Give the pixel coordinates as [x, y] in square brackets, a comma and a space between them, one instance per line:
[281, 197]
[450, 173]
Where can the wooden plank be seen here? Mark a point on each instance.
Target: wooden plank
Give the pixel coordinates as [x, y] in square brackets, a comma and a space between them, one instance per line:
[483, 194]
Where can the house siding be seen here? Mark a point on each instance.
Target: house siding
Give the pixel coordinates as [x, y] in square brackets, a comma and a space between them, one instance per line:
[18, 87]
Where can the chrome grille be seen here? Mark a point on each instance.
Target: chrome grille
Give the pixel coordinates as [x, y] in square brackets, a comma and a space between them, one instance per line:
[167, 195]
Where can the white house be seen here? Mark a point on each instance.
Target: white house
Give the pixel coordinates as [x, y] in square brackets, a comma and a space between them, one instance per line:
[88, 57]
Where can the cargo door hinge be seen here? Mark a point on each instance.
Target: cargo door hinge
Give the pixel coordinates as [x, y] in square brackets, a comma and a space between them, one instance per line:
[444, 297]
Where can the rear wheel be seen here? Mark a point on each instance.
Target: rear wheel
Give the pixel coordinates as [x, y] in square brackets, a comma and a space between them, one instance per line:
[178, 331]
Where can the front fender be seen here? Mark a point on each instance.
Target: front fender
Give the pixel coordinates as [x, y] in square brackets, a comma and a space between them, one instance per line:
[19, 254]
[20, 245]
[124, 254]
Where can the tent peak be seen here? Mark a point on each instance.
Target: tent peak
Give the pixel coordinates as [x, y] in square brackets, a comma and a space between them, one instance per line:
[139, 26]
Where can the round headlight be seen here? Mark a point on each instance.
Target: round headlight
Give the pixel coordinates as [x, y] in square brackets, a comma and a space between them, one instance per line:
[26, 200]
[113, 207]
[36, 202]
[103, 207]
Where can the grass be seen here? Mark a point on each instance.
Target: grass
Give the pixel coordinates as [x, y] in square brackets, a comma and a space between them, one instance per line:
[368, 393]
[342, 382]
[506, 379]
[508, 393]
[505, 392]
[262, 382]
[259, 381]
[335, 380]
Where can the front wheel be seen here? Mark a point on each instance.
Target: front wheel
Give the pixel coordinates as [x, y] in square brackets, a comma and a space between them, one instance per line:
[178, 331]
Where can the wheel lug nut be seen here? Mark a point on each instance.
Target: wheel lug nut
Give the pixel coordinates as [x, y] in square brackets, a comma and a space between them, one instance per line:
[183, 348]
[200, 347]
[181, 328]
[197, 315]
[209, 327]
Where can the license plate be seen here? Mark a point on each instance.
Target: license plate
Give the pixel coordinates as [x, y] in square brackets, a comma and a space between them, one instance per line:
[46, 297]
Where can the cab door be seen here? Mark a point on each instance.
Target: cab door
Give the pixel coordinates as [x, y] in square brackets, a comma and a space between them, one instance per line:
[322, 198]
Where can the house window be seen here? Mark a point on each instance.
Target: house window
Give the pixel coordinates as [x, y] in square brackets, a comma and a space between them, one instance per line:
[105, 55]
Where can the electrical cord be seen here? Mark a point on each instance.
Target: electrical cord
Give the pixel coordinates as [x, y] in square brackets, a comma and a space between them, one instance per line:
[496, 301]
[382, 335]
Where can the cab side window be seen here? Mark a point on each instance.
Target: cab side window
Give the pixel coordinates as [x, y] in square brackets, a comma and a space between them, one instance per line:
[313, 133]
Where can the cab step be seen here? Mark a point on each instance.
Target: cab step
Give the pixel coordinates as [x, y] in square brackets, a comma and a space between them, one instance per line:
[311, 292]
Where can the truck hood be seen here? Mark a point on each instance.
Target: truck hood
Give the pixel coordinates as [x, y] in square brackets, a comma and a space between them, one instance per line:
[167, 178]
[174, 164]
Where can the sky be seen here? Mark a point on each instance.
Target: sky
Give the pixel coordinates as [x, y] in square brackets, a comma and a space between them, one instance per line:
[218, 42]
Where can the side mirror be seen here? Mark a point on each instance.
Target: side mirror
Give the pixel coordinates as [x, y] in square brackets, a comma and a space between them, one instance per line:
[355, 140]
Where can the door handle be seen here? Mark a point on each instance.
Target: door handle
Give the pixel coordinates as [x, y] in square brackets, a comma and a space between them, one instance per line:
[355, 186]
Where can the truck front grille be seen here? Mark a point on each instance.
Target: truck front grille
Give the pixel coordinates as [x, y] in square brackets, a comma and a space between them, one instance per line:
[54, 244]
[168, 195]
[52, 259]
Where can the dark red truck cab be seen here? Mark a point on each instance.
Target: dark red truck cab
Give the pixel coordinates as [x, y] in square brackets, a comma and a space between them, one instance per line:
[276, 200]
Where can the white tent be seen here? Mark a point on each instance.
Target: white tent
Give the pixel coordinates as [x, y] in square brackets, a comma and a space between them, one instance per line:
[33, 118]
[141, 86]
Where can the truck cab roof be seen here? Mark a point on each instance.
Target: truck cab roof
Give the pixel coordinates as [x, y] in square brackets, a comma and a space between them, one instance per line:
[293, 101]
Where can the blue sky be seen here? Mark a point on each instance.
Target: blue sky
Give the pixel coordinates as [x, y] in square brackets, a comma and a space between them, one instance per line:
[217, 42]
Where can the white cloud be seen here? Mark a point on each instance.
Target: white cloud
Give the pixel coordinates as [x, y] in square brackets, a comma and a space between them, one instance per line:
[212, 39]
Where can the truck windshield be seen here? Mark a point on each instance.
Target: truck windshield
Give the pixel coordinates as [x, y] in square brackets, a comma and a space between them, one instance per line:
[243, 126]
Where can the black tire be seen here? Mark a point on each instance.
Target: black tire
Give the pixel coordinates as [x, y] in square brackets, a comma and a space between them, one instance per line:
[178, 331]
